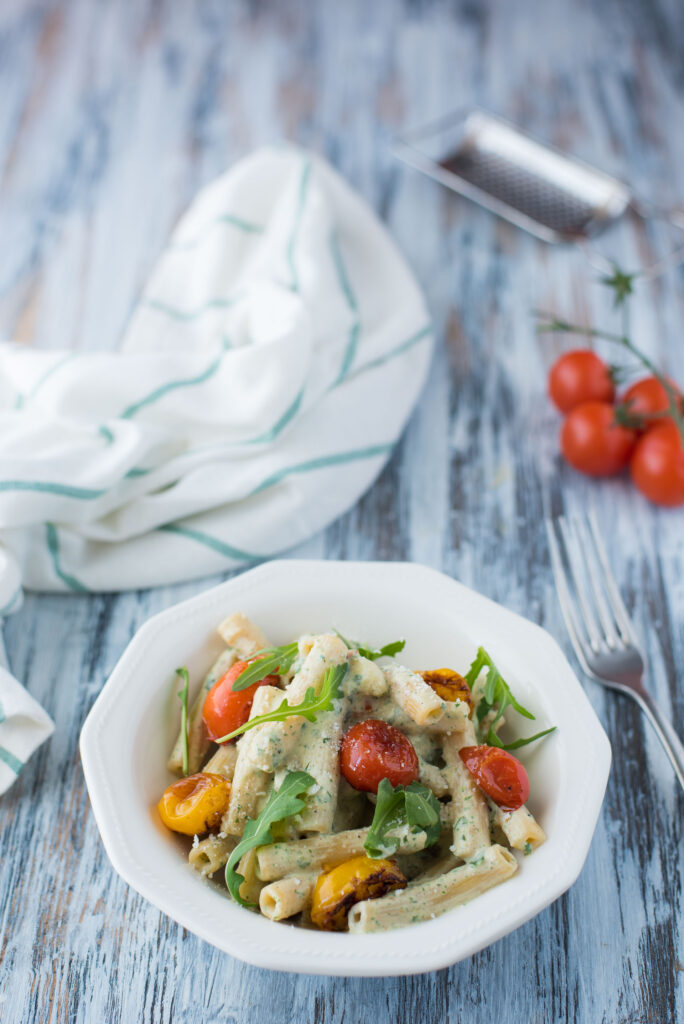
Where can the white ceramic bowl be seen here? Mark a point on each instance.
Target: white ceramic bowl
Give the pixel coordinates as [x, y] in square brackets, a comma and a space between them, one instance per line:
[129, 732]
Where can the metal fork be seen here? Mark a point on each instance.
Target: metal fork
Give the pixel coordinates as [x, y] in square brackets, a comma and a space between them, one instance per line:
[598, 623]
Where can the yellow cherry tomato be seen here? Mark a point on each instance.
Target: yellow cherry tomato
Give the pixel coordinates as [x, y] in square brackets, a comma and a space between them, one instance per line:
[195, 804]
[360, 878]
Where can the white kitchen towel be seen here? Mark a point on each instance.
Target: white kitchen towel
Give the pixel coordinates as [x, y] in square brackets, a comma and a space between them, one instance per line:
[267, 371]
[23, 722]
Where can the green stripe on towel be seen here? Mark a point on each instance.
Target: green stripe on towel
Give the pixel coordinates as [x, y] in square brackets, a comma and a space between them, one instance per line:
[52, 540]
[225, 218]
[342, 272]
[350, 352]
[227, 550]
[292, 244]
[277, 428]
[106, 433]
[191, 314]
[303, 467]
[355, 330]
[399, 350]
[172, 385]
[4, 611]
[323, 462]
[21, 400]
[45, 487]
[11, 760]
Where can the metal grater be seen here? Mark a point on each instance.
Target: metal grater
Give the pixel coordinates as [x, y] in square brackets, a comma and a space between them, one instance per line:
[554, 197]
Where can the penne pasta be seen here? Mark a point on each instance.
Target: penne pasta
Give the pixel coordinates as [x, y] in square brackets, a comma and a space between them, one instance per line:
[242, 635]
[256, 746]
[428, 746]
[318, 753]
[364, 706]
[365, 677]
[469, 807]
[210, 854]
[413, 695]
[223, 761]
[424, 899]
[278, 739]
[521, 829]
[250, 784]
[323, 851]
[250, 889]
[305, 643]
[287, 896]
[433, 777]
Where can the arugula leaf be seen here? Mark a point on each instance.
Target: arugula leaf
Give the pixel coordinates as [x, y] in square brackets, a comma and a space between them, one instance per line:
[414, 807]
[309, 707]
[494, 740]
[270, 659]
[281, 804]
[496, 690]
[183, 696]
[373, 653]
[496, 693]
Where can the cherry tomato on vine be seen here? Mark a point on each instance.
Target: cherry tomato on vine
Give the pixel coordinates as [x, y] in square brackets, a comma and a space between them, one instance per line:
[499, 774]
[372, 751]
[657, 466]
[593, 442]
[580, 376]
[646, 397]
[224, 711]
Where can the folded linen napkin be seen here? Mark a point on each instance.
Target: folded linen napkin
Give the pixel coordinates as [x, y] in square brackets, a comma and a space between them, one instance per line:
[268, 370]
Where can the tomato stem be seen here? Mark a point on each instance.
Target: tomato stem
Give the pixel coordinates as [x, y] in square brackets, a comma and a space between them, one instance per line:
[621, 283]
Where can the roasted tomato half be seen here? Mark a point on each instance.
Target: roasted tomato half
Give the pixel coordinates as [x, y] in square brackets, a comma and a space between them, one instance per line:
[195, 804]
[499, 774]
[448, 685]
[354, 880]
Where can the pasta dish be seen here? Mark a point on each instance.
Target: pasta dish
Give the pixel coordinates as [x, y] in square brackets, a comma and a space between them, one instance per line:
[335, 788]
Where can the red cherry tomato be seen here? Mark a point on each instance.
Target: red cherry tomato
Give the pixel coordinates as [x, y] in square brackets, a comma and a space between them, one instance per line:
[372, 751]
[225, 710]
[580, 376]
[499, 774]
[647, 397]
[657, 466]
[593, 442]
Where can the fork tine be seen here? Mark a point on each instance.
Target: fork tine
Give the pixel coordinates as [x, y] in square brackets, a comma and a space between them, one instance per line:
[579, 574]
[564, 597]
[597, 583]
[622, 619]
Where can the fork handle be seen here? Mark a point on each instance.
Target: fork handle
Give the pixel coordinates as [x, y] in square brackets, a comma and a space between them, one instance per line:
[668, 737]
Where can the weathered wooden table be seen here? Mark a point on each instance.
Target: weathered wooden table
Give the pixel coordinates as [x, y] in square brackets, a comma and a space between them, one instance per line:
[111, 116]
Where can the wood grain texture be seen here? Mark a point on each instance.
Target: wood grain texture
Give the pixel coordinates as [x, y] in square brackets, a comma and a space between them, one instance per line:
[111, 116]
